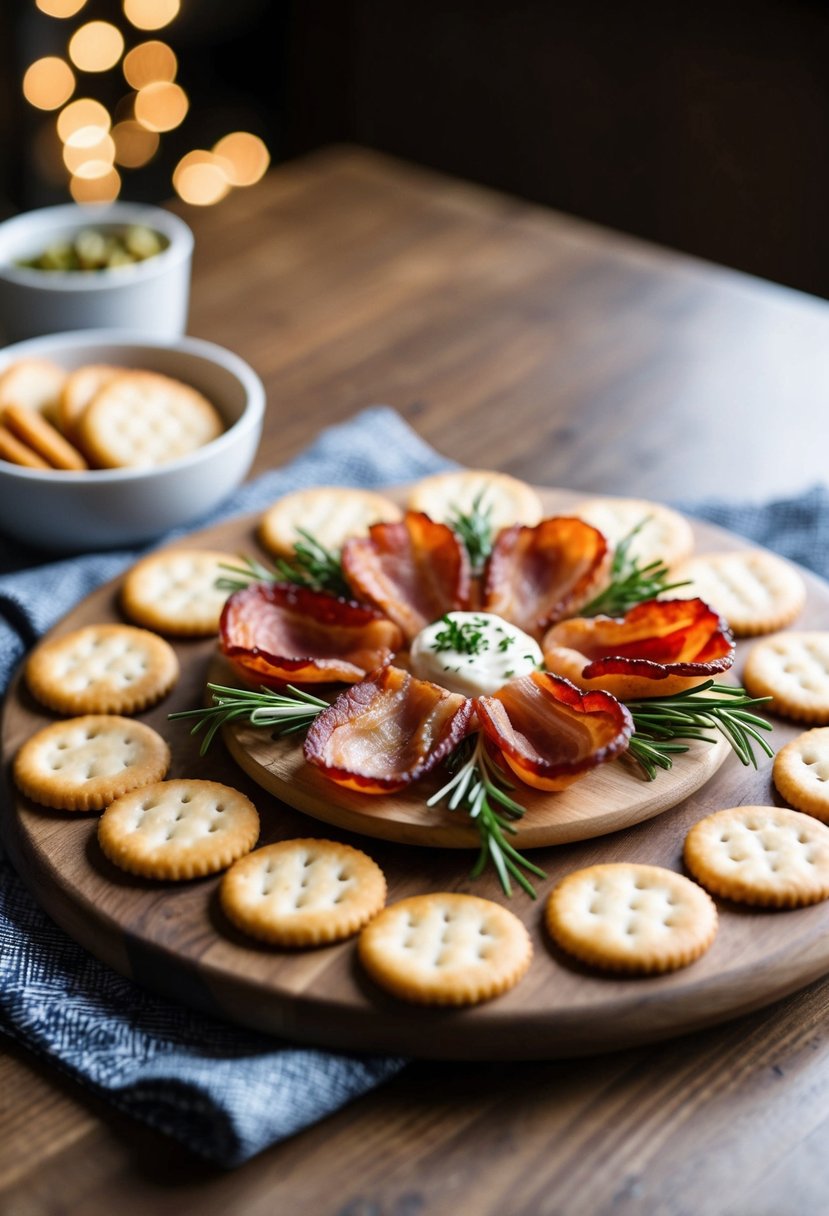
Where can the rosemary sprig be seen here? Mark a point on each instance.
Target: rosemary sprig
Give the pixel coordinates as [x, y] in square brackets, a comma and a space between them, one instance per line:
[260, 707]
[312, 566]
[480, 788]
[630, 582]
[660, 723]
[475, 529]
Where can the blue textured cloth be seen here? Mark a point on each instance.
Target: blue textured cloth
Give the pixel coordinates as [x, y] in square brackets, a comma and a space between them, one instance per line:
[224, 1092]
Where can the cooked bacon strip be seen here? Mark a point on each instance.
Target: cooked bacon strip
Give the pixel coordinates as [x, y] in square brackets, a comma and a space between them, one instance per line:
[660, 647]
[382, 734]
[414, 571]
[276, 632]
[535, 576]
[551, 734]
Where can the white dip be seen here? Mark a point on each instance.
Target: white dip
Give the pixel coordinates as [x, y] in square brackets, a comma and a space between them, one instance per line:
[473, 653]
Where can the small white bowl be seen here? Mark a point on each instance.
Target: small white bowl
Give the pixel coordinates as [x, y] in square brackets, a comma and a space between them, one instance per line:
[152, 295]
[103, 508]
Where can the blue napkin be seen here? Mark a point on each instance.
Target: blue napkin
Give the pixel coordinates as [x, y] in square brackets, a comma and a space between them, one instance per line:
[226, 1093]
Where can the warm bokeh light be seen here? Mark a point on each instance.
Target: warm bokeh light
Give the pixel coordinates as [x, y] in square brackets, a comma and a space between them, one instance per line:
[85, 112]
[60, 8]
[134, 144]
[200, 178]
[96, 189]
[48, 83]
[148, 63]
[161, 107]
[96, 46]
[89, 152]
[151, 14]
[245, 157]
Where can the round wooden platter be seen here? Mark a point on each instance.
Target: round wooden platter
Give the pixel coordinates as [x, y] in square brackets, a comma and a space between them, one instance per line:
[174, 939]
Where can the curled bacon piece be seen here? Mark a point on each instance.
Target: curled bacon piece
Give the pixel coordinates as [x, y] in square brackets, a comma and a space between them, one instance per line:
[382, 734]
[535, 576]
[549, 732]
[276, 631]
[413, 571]
[660, 647]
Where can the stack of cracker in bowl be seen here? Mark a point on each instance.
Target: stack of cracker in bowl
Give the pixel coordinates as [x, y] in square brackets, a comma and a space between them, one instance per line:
[111, 437]
[99, 416]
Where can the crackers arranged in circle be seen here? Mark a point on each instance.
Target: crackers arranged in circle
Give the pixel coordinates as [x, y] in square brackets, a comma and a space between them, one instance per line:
[140, 419]
[331, 514]
[81, 764]
[792, 669]
[801, 772]
[755, 591]
[102, 669]
[762, 855]
[663, 534]
[37, 433]
[632, 918]
[445, 949]
[303, 892]
[504, 499]
[175, 592]
[178, 829]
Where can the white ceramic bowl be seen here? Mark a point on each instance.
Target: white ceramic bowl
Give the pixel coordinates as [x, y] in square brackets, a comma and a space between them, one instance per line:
[152, 295]
[103, 508]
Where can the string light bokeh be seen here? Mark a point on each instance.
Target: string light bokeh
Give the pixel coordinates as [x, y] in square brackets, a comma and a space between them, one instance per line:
[92, 147]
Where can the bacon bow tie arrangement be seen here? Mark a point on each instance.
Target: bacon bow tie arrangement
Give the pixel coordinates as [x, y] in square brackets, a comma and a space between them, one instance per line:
[638, 686]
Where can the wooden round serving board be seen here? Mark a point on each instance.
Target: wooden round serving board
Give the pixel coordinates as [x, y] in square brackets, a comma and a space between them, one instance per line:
[174, 939]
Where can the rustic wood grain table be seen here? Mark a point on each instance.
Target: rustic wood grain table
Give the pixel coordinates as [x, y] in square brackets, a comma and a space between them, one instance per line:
[518, 339]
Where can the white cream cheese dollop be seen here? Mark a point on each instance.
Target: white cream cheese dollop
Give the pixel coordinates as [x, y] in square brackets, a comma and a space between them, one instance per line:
[473, 653]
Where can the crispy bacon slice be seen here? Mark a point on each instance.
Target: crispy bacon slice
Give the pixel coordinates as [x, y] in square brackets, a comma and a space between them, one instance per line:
[276, 631]
[660, 647]
[414, 571]
[549, 732]
[382, 734]
[535, 576]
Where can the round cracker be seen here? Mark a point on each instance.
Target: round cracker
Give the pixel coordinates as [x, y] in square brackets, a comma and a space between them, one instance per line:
[175, 591]
[633, 918]
[767, 856]
[445, 949]
[178, 829]
[79, 388]
[303, 892]
[15, 452]
[331, 514]
[37, 432]
[793, 669]
[102, 669]
[801, 772]
[755, 591]
[141, 419]
[81, 764]
[504, 499]
[664, 535]
[33, 383]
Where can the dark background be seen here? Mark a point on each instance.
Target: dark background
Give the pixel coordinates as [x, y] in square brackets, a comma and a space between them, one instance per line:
[702, 126]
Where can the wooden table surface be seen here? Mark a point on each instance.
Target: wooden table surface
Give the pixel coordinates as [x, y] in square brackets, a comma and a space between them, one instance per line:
[512, 338]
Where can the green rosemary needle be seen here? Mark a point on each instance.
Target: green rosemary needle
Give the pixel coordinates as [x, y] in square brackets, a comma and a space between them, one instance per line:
[478, 787]
[474, 527]
[664, 725]
[630, 582]
[259, 707]
[312, 566]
